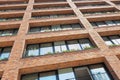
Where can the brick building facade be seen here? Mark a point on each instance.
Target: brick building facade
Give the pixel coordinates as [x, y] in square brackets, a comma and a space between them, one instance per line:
[59, 39]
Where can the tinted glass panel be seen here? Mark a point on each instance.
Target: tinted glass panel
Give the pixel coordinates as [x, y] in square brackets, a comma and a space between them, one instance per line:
[30, 77]
[47, 76]
[66, 74]
[46, 49]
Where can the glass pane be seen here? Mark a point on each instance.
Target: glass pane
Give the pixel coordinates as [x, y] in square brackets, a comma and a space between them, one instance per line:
[0, 33]
[107, 41]
[115, 39]
[53, 16]
[101, 24]
[15, 31]
[7, 32]
[60, 46]
[117, 22]
[33, 50]
[82, 73]
[5, 53]
[56, 27]
[30, 77]
[66, 74]
[85, 43]
[76, 26]
[99, 73]
[73, 45]
[93, 24]
[47, 76]
[45, 29]
[46, 49]
[66, 27]
[110, 23]
[36, 29]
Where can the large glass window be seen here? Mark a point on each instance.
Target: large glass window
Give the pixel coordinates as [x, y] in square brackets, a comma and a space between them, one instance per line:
[89, 72]
[76, 26]
[56, 28]
[107, 41]
[82, 73]
[112, 40]
[101, 24]
[5, 52]
[30, 77]
[66, 74]
[35, 29]
[115, 39]
[85, 43]
[110, 23]
[47, 76]
[66, 27]
[117, 22]
[45, 29]
[73, 45]
[99, 72]
[60, 46]
[46, 48]
[33, 50]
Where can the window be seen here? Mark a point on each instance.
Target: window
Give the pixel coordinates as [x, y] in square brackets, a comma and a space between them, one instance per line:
[30, 77]
[73, 45]
[83, 73]
[107, 41]
[112, 40]
[110, 23]
[85, 43]
[99, 72]
[89, 72]
[117, 22]
[60, 46]
[33, 50]
[45, 29]
[47, 76]
[46, 48]
[56, 27]
[4, 53]
[76, 26]
[66, 27]
[100, 24]
[57, 47]
[8, 32]
[115, 39]
[35, 29]
[66, 74]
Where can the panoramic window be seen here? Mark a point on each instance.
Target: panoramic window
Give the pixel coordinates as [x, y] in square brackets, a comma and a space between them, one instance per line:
[89, 72]
[57, 47]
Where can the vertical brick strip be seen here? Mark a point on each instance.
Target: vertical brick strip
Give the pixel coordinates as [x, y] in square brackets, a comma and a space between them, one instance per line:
[11, 71]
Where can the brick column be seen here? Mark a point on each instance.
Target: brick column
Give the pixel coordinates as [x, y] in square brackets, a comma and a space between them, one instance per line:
[113, 64]
[11, 71]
